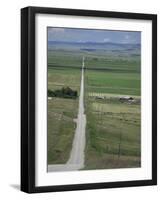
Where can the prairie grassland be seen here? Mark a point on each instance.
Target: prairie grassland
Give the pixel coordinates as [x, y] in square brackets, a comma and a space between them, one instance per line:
[113, 131]
[61, 126]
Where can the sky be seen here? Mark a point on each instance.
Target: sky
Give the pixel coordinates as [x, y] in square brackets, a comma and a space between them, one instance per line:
[89, 35]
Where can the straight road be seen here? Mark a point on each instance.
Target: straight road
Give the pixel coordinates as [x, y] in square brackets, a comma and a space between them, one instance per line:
[76, 159]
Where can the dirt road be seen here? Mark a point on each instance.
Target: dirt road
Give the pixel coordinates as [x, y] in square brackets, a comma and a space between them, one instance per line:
[76, 159]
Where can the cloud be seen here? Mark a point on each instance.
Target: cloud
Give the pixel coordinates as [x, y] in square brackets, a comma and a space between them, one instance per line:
[127, 37]
[54, 33]
[106, 40]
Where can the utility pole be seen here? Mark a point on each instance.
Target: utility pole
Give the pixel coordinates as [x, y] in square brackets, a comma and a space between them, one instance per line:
[120, 140]
[119, 149]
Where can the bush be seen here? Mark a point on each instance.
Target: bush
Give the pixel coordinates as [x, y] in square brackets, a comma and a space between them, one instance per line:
[51, 93]
[65, 92]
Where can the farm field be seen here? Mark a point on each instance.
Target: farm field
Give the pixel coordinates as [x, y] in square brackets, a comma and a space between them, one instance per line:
[114, 75]
[113, 127]
[61, 111]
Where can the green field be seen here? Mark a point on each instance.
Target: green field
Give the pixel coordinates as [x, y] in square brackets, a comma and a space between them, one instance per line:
[60, 129]
[61, 111]
[113, 134]
[113, 128]
[113, 75]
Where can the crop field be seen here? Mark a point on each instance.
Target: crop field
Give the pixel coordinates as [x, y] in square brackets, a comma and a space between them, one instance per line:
[113, 127]
[114, 75]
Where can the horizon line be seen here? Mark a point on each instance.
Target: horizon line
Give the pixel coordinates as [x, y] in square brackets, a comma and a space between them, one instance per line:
[93, 42]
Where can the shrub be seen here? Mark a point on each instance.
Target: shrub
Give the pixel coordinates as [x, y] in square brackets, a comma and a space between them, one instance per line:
[51, 93]
[65, 92]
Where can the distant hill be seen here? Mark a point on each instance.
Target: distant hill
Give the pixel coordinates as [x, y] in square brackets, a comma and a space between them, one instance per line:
[95, 46]
[102, 44]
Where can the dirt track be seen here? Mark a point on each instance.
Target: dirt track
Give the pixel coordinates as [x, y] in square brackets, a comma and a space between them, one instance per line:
[76, 159]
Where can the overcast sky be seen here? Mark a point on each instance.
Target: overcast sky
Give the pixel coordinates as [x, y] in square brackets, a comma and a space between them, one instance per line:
[89, 35]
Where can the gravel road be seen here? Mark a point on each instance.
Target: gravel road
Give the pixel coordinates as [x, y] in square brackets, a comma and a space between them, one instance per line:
[76, 159]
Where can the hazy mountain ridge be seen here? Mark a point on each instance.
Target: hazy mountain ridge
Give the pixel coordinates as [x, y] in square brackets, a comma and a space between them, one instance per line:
[94, 46]
[94, 43]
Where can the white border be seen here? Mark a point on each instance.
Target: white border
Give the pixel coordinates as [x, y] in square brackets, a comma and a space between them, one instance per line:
[92, 176]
